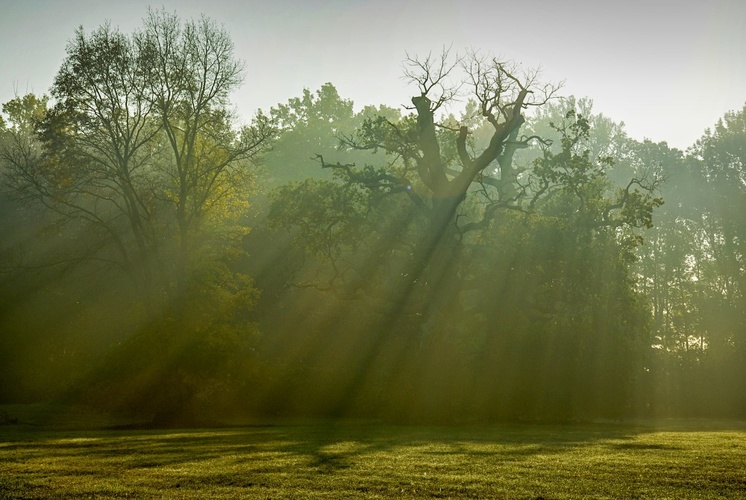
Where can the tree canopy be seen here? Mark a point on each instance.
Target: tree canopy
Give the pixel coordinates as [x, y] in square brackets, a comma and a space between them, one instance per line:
[489, 251]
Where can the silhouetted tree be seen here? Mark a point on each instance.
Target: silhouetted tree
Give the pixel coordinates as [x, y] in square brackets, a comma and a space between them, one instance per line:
[409, 238]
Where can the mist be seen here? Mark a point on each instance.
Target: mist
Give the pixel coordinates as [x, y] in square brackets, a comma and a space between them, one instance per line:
[520, 259]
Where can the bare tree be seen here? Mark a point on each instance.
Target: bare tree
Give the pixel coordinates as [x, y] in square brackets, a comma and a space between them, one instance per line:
[503, 93]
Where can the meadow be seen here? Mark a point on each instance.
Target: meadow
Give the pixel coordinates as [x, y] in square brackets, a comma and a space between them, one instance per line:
[372, 460]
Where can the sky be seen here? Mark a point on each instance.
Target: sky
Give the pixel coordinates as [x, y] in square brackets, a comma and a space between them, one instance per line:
[668, 69]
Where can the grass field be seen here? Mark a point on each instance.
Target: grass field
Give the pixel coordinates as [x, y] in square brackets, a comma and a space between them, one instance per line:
[362, 460]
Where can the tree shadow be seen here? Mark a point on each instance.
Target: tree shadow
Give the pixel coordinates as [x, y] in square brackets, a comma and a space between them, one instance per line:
[254, 457]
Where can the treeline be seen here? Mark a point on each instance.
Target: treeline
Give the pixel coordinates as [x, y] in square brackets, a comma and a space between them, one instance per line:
[519, 257]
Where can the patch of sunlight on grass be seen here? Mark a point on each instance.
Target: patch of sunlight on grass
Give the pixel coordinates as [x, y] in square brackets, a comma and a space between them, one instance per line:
[370, 461]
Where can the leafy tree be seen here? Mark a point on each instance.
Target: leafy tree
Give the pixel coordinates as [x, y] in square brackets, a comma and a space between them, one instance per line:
[721, 156]
[310, 124]
[433, 184]
[716, 220]
[690, 271]
[192, 71]
[141, 168]
[98, 152]
[140, 141]
[415, 238]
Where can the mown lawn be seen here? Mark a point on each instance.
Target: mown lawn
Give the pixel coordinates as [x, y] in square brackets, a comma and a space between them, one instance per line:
[349, 460]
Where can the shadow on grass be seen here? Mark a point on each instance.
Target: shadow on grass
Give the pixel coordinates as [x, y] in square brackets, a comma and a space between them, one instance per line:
[323, 446]
[364, 460]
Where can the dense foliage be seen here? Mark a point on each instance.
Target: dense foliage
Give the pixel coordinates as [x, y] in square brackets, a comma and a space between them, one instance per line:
[514, 260]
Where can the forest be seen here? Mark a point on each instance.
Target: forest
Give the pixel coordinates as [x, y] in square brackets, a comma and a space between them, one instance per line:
[493, 251]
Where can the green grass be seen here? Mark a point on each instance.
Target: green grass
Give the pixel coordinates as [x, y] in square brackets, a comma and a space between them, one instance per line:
[348, 460]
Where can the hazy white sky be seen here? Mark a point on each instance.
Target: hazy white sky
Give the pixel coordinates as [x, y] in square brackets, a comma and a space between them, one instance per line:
[667, 68]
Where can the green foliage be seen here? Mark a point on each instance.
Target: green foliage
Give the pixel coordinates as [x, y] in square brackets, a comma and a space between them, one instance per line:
[413, 265]
[325, 215]
[23, 114]
[479, 304]
[689, 269]
[184, 368]
[310, 126]
[150, 170]
[144, 177]
[19, 149]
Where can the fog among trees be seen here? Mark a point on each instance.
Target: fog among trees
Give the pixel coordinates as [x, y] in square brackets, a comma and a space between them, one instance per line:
[493, 250]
